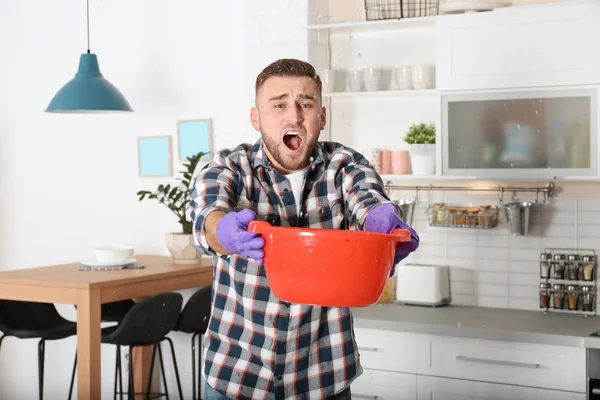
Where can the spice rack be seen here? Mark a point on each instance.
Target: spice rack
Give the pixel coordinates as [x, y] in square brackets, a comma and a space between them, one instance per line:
[568, 281]
[482, 217]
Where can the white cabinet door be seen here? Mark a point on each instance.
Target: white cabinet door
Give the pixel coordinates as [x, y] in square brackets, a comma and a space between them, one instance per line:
[391, 350]
[519, 47]
[383, 385]
[432, 388]
[525, 364]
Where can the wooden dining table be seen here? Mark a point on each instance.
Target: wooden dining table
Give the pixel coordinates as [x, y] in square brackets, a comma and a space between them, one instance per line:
[66, 284]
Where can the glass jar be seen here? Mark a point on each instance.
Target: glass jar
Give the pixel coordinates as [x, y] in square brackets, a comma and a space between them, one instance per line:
[451, 216]
[544, 295]
[587, 298]
[558, 293]
[545, 265]
[485, 213]
[557, 269]
[572, 296]
[438, 215]
[572, 268]
[587, 265]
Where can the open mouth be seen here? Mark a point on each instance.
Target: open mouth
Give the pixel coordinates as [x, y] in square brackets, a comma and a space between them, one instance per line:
[292, 140]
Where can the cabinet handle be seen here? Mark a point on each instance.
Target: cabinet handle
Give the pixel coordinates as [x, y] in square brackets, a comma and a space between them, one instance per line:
[364, 396]
[368, 349]
[497, 362]
[595, 391]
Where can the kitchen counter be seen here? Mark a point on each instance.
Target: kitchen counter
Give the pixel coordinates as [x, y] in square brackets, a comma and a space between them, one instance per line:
[482, 323]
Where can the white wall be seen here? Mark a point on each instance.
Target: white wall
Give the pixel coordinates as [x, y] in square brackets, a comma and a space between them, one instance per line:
[68, 182]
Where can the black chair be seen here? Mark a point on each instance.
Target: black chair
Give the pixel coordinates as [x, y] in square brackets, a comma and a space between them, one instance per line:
[146, 324]
[194, 319]
[115, 311]
[29, 320]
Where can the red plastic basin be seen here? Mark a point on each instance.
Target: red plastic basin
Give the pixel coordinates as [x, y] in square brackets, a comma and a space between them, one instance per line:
[327, 267]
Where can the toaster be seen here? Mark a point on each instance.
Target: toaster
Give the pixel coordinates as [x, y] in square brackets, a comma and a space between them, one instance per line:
[423, 284]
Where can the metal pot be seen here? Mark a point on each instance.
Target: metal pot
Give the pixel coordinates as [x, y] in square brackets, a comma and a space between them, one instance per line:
[517, 215]
[407, 207]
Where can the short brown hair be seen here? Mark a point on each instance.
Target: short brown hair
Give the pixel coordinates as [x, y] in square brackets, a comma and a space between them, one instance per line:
[288, 67]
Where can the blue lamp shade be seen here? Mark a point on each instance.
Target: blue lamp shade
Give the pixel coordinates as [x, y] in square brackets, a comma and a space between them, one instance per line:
[88, 92]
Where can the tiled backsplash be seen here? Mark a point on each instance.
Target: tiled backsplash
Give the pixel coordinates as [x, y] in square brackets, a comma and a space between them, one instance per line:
[492, 268]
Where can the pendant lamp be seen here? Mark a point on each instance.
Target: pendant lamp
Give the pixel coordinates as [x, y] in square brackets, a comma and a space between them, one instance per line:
[88, 91]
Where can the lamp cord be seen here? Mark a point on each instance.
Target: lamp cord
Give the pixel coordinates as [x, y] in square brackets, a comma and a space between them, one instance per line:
[88, 26]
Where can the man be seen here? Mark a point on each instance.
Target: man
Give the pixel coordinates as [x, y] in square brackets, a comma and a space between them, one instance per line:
[257, 347]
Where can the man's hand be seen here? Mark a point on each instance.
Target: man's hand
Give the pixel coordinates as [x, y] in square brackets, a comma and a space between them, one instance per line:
[232, 233]
[384, 219]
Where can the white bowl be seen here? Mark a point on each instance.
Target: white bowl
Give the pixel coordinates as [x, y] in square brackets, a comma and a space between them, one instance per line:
[113, 254]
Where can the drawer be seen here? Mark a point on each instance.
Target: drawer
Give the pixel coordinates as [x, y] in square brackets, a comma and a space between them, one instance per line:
[543, 366]
[384, 385]
[390, 350]
[433, 388]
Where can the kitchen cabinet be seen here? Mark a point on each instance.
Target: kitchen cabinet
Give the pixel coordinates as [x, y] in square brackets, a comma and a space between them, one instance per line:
[543, 366]
[402, 365]
[384, 385]
[391, 351]
[435, 388]
[519, 47]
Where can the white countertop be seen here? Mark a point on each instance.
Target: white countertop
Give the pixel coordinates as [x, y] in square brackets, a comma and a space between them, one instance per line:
[482, 323]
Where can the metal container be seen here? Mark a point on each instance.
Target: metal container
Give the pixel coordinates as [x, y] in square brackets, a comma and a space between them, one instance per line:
[517, 215]
[408, 208]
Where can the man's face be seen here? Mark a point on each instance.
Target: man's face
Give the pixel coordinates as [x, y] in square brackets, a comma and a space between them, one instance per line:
[289, 115]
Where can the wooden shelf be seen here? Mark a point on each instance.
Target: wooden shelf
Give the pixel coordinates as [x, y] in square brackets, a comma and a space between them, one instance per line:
[378, 25]
[383, 93]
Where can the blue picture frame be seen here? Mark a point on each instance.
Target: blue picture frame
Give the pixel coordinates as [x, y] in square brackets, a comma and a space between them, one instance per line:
[194, 136]
[154, 156]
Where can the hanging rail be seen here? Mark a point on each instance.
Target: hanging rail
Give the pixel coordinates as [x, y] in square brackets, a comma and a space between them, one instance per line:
[547, 190]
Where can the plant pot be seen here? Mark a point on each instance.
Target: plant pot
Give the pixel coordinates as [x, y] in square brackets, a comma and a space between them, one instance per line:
[422, 159]
[182, 249]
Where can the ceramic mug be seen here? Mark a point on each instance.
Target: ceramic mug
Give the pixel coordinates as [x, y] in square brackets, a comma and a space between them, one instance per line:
[328, 77]
[400, 162]
[403, 77]
[354, 81]
[386, 162]
[423, 76]
[373, 156]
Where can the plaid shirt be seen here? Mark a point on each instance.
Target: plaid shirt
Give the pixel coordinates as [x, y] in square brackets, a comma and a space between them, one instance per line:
[257, 347]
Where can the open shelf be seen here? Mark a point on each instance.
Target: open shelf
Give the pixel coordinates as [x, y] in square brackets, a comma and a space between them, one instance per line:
[377, 26]
[382, 93]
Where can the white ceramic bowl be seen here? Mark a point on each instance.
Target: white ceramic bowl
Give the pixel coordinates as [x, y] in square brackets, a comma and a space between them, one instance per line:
[113, 254]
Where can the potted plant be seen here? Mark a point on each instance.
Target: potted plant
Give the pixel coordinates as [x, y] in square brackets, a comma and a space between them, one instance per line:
[421, 138]
[177, 199]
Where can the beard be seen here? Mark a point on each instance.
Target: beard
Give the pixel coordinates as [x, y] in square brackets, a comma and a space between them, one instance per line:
[290, 163]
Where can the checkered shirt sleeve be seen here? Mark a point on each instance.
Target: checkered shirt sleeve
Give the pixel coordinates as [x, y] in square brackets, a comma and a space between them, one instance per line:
[257, 347]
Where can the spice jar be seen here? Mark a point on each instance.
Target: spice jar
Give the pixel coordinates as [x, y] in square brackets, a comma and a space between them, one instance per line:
[558, 292]
[572, 296]
[558, 270]
[461, 217]
[587, 298]
[485, 214]
[438, 214]
[544, 295]
[451, 216]
[572, 267]
[472, 219]
[587, 265]
[545, 265]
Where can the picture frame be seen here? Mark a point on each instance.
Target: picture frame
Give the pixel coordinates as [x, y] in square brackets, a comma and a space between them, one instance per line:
[194, 136]
[154, 156]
